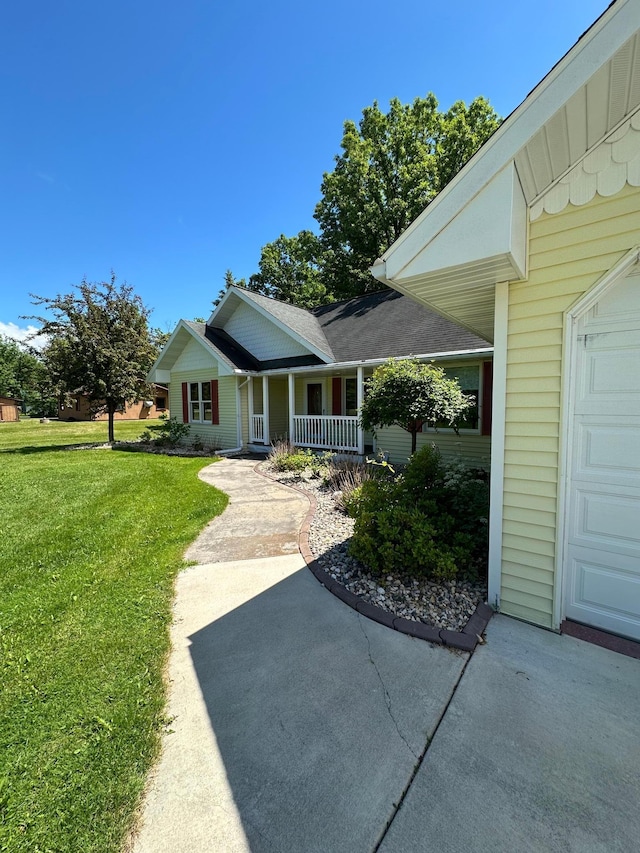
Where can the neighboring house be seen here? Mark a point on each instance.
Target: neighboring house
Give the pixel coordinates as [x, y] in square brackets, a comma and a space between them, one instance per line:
[10, 409]
[535, 246]
[78, 408]
[261, 369]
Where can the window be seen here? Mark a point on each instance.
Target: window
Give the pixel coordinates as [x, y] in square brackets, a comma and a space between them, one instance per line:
[469, 380]
[351, 396]
[200, 402]
[161, 402]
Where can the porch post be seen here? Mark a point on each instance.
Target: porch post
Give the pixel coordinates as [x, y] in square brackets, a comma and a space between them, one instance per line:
[360, 400]
[292, 405]
[265, 410]
[250, 408]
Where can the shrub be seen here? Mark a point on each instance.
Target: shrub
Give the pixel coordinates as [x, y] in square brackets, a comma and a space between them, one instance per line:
[285, 456]
[431, 521]
[168, 434]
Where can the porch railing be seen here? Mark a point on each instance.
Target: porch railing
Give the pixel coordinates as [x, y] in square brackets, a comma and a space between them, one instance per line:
[326, 432]
[256, 428]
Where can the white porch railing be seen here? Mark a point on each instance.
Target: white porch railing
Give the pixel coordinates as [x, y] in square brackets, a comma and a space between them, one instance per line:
[256, 428]
[325, 432]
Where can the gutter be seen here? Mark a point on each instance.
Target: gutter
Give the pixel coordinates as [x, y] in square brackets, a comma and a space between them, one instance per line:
[374, 362]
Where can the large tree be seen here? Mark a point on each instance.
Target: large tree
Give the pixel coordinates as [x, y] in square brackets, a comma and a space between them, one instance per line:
[24, 375]
[291, 269]
[99, 344]
[408, 393]
[391, 167]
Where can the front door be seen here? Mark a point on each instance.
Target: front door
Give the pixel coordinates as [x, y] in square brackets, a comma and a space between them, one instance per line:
[314, 398]
[603, 527]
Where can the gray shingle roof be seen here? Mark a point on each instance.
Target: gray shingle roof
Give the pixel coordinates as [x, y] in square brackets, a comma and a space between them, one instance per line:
[374, 326]
[386, 324]
[303, 322]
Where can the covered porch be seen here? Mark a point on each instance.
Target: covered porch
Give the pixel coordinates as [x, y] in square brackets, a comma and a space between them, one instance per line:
[318, 410]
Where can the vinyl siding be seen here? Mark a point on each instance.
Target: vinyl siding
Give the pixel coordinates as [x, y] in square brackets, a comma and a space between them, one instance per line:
[278, 408]
[223, 435]
[260, 336]
[472, 448]
[568, 253]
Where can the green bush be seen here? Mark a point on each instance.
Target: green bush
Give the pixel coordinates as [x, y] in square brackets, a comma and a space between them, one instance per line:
[285, 456]
[429, 522]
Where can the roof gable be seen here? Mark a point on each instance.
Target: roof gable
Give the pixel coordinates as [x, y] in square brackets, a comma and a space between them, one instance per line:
[268, 328]
[586, 96]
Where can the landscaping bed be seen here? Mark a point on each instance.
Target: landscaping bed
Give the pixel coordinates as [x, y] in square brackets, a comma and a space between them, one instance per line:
[444, 603]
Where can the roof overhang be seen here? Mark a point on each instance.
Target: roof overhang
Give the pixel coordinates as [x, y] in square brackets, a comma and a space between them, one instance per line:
[440, 259]
[171, 351]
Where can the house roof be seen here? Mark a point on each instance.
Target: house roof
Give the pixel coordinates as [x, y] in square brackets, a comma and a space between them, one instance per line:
[301, 323]
[386, 324]
[473, 234]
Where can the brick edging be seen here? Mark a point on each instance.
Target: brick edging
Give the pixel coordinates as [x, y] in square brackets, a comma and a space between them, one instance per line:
[465, 640]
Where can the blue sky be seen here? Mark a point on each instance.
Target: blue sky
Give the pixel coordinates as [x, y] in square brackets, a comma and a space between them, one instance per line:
[170, 141]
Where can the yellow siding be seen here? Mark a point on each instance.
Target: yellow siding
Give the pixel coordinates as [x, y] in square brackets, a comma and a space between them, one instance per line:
[569, 253]
[223, 435]
[278, 407]
[472, 448]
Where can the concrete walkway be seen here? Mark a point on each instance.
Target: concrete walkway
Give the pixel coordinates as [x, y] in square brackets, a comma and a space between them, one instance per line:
[298, 725]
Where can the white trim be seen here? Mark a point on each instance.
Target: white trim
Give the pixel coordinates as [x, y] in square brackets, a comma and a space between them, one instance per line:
[569, 348]
[360, 396]
[595, 47]
[604, 170]
[265, 410]
[498, 430]
[291, 387]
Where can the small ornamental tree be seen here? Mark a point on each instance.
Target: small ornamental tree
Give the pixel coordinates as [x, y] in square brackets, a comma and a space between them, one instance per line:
[99, 344]
[409, 394]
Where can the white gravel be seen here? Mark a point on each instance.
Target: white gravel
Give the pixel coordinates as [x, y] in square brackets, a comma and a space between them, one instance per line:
[446, 604]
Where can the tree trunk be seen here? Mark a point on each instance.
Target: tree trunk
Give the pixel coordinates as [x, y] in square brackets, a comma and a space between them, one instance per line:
[414, 435]
[111, 433]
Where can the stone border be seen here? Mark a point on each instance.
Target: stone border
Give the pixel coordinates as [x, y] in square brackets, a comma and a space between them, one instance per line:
[465, 640]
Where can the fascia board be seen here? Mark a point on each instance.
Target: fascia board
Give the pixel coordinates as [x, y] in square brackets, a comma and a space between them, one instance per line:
[594, 48]
[326, 357]
[482, 352]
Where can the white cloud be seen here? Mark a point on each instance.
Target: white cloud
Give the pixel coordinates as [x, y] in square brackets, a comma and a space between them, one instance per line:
[21, 333]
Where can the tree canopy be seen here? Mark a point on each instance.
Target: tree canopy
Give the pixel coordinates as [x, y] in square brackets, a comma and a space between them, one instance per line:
[408, 393]
[24, 375]
[99, 344]
[391, 166]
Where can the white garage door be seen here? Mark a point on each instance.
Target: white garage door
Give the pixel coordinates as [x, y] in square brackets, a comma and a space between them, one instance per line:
[603, 529]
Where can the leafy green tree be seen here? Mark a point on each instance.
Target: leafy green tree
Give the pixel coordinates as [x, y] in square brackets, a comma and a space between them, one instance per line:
[391, 167]
[408, 393]
[291, 269]
[99, 344]
[24, 375]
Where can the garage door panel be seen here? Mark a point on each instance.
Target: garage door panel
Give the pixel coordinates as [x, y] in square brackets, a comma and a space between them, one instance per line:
[611, 371]
[609, 520]
[603, 595]
[607, 449]
[613, 307]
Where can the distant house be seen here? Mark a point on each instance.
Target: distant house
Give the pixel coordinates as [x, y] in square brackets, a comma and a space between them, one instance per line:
[79, 408]
[10, 409]
[535, 245]
[261, 369]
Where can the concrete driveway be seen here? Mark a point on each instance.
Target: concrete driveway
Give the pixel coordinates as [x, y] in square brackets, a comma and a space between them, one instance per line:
[298, 725]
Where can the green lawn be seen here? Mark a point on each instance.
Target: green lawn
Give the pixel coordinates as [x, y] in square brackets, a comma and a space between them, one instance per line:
[91, 541]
